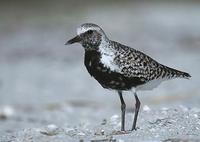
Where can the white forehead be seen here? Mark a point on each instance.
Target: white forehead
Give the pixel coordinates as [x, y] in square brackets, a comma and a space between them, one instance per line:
[84, 29]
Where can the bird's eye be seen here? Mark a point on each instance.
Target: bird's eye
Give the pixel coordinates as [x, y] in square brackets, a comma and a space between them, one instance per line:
[90, 32]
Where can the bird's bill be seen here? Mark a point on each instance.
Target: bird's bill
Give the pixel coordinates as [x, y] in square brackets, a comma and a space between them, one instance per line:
[73, 40]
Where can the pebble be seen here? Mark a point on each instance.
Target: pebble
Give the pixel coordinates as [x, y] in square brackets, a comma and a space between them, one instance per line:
[6, 112]
[99, 132]
[50, 130]
[104, 122]
[146, 108]
[195, 115]
[81, 134]
[102, 132]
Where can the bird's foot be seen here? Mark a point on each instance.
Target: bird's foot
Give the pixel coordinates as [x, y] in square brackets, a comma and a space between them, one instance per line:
[134, 129]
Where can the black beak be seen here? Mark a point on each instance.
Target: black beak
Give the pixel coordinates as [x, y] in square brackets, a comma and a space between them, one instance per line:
[73, 40]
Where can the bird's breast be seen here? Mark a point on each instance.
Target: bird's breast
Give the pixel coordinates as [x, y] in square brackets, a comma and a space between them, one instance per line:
[107, 77]
[93, 63]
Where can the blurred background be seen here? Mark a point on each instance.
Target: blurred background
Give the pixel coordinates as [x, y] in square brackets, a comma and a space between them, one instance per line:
[43, 81]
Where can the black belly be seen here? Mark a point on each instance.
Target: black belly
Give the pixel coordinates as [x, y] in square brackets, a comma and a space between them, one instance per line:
[107, 78]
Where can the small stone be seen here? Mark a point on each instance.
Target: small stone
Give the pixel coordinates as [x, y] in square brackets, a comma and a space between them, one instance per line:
[104, 122]
[50, 130]
[69, 130]
[146, 108]
[6, 112]
[195, 115]
[99, 132]
[102, 132]
[81, 134]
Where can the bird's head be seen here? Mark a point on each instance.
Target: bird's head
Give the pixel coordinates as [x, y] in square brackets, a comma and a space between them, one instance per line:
[89, 35]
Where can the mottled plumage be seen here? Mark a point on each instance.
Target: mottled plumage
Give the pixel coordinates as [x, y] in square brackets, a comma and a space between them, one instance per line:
[119, 67]
[134, 64]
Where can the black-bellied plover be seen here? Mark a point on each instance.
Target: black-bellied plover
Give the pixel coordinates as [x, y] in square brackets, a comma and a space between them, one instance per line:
[119, 67]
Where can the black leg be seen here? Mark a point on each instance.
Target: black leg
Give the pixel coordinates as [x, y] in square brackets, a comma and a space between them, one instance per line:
[123, 109]
[137, 107]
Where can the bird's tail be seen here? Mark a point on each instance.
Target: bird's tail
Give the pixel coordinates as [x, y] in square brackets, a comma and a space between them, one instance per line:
[184, 75]
[177, 74]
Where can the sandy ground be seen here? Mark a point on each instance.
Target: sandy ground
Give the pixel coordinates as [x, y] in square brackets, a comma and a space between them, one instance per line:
[166, 124]
[46, 93]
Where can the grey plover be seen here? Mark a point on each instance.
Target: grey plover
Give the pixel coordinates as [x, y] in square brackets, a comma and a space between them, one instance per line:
[119, 67]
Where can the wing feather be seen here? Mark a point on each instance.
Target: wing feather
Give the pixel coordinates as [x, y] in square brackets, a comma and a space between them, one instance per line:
[133, 63]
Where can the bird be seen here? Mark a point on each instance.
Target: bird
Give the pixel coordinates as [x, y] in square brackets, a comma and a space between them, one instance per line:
[121, 68]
